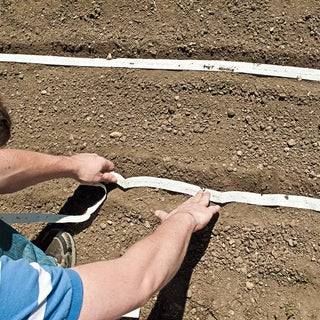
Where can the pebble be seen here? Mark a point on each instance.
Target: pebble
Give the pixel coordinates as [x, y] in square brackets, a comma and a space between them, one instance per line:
[103, 226]
[172, 109]
[115, 134]
[249, 285]
[231, 113]
[292, 243]
[147, 224]
[109, 56]
[291, 143]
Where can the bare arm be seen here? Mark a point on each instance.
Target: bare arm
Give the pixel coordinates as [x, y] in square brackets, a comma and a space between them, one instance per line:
[113, 288]
[20, 168]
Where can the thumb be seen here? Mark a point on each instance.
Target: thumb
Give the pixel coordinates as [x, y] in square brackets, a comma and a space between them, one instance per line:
[162, 215]
[108, 178]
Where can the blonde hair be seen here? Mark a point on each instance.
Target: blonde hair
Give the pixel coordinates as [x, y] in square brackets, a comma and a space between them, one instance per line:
[5, 124]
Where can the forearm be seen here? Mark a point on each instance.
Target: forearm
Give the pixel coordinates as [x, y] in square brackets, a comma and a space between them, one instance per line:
[118, 286]
[21, 168]
[159, 256]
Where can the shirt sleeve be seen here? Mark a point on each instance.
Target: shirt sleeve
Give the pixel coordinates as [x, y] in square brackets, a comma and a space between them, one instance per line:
[31, 291]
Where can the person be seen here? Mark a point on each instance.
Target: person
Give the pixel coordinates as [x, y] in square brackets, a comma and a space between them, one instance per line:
[35, 287]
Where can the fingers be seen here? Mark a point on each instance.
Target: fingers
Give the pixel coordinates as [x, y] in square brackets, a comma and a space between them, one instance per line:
[162, 215]
[198, 196]
[107, 165]
[201, 197]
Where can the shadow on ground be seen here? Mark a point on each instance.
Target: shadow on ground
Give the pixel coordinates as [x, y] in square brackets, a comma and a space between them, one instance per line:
[172, 298]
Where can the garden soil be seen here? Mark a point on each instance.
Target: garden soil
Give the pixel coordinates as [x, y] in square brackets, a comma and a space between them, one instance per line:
[222, 131]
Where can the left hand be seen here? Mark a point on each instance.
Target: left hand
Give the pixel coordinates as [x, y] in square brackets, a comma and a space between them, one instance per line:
[91, 168]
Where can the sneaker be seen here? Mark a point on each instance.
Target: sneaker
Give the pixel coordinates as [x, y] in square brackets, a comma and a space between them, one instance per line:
[62, 248]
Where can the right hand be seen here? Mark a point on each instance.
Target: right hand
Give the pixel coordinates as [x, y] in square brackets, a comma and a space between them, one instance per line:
[198, 206]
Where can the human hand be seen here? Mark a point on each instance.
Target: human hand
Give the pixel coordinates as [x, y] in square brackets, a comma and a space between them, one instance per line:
[198, 206]
[91, 168]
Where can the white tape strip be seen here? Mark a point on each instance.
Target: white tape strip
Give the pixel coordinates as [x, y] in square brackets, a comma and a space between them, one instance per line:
[53, 218]
[269, 70]
[222, 197]
[270, 200]
[133, 314]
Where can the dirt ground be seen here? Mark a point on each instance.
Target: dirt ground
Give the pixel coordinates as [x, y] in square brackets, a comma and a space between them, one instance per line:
[218, 130]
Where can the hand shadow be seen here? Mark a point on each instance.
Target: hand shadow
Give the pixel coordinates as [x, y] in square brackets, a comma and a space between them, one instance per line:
[172, 298]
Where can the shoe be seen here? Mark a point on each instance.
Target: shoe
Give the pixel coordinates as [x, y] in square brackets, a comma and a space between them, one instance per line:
[62, 248]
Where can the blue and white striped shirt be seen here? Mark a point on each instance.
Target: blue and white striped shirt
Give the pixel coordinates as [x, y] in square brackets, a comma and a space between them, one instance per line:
[34, 292]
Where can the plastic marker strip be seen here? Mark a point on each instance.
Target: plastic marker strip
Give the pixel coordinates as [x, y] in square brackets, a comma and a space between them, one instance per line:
[271, 200]
[53, 218]
[269, 70]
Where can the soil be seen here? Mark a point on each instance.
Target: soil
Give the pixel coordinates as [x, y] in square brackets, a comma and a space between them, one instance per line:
[218, 130]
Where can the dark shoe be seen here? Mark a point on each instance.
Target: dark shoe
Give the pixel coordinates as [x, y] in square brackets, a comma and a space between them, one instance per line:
[62, 248]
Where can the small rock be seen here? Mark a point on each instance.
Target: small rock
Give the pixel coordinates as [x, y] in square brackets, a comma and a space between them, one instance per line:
[292, 243]
[103, 226]
[153, 52]
[44, 92]
[291, 143]
[109, 56]
[172, 109]
[115, 134]
[249, 285]
[231, 113]
[109, 222]
[147, 224]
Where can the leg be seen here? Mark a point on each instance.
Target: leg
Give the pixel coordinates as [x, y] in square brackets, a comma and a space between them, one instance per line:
[15, 246]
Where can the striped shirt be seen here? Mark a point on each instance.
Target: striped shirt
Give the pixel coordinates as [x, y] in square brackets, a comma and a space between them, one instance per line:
[34, 292]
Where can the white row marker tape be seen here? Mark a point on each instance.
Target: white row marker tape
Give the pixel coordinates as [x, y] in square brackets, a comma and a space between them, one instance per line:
[268, 70]
[269, 200]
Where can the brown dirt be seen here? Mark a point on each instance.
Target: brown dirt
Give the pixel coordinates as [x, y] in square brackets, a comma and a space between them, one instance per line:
[216, 130]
